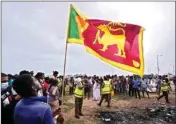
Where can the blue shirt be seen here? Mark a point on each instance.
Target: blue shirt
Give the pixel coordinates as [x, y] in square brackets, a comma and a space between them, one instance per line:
[32, 111]
[135, 84]
[42, 98]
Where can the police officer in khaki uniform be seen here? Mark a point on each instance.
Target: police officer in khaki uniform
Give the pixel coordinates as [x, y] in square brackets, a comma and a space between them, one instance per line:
[79, 94]
[164, 89]
[105, 91]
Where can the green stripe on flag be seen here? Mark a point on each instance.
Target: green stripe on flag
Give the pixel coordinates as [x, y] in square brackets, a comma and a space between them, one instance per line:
[73, 27]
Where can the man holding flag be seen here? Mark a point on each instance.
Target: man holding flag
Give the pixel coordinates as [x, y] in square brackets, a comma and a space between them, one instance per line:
[79, 94]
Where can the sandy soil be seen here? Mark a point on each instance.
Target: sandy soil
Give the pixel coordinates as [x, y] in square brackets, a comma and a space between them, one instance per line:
[91, 110]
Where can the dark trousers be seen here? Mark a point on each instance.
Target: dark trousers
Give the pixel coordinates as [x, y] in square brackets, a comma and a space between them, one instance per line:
[159, 90]
[120, 88]
[7, 115]
[78, 106]
[124, 91]
[137, 93]
[165, 93]
[87, 93]
[107, 97]
[131, 92]
[143, 91]
[71, 91]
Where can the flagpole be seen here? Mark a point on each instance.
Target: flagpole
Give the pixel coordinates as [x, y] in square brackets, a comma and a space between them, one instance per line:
[65, 61]
[64, 76]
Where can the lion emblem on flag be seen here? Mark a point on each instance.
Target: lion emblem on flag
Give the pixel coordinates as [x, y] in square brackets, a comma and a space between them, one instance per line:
[110, 39]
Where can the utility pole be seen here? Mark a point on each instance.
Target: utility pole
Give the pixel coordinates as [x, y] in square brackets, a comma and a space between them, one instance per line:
[172, 67]
[173, 70]
[157, 63]
[157, 58]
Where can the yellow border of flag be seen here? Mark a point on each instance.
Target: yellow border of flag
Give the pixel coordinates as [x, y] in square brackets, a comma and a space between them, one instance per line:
[122, 66]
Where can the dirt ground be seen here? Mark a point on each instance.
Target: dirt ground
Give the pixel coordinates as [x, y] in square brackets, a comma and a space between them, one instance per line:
[118, 102]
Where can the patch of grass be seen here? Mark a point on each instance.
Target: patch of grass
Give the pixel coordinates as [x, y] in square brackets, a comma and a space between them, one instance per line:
[90, 122]
[69, 122]
[75, 122]
[66, 98]
[96, 121]
[115, 97]
[67, 106]
[121, 96]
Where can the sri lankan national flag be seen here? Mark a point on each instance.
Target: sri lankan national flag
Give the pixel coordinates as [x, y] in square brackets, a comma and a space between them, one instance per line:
[118, 44]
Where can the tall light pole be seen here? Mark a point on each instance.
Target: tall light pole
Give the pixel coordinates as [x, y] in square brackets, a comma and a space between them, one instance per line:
[173, 70]
[158, 63]
[172, 67]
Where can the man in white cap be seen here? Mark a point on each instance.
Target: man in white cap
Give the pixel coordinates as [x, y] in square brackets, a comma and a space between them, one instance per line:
[79, 93]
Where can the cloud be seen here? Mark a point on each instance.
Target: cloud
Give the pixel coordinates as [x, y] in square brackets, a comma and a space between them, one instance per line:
[34, 35]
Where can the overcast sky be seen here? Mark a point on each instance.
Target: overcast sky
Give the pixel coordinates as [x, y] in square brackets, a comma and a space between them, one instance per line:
[33, 35]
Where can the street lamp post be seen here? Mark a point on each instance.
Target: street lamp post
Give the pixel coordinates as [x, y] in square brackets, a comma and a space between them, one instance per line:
[158, 63]
[172, 67]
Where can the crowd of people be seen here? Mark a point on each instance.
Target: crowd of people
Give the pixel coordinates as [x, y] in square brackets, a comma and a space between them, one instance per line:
[28, 99]
[125, 85]
[36, 99]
